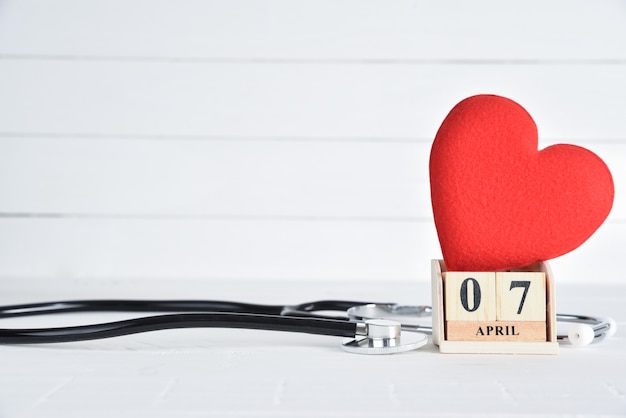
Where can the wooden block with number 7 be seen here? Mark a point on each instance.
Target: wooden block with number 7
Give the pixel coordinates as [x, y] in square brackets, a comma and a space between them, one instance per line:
[521, 296]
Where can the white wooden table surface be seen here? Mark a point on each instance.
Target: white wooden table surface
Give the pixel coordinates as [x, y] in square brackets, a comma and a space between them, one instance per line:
[277, 151]
[211, 372]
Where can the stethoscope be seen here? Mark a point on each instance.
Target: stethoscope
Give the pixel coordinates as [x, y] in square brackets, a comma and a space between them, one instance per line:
[370, 328]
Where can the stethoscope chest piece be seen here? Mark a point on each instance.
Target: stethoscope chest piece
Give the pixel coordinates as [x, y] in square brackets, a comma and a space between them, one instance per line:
[383, 336]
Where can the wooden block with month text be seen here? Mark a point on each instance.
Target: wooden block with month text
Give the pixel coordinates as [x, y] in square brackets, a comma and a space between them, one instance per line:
[496, 331]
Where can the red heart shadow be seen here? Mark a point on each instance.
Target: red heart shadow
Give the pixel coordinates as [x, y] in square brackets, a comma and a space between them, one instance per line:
[498, 202]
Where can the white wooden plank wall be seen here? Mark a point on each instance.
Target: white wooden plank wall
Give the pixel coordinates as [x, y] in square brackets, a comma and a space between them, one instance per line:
[274, 139]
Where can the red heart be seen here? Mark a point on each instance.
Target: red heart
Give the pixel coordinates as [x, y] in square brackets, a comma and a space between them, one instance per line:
[498, 202]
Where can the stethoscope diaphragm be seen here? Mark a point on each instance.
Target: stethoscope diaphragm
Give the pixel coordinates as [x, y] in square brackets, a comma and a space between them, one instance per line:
[384, 336]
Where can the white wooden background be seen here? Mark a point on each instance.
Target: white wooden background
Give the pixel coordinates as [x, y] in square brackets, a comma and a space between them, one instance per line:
[277, 151]
[264, 139]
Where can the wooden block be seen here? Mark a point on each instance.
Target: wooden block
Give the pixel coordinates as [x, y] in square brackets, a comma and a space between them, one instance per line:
[547, 346]
[496, 331]
[437, 271]
[521, 296]
[470, 296]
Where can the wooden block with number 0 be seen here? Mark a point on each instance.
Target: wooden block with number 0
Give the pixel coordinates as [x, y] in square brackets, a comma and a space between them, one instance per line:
[470, 296]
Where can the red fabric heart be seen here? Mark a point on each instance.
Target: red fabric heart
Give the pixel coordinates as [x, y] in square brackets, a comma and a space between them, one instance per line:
[498, 202]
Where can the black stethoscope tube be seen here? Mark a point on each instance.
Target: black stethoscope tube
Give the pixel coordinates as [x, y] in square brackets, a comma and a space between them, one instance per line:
[81, 306]
[333, 327]
[307, 309]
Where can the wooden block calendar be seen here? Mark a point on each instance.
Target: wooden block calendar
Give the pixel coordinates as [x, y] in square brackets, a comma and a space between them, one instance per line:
[494, 312]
